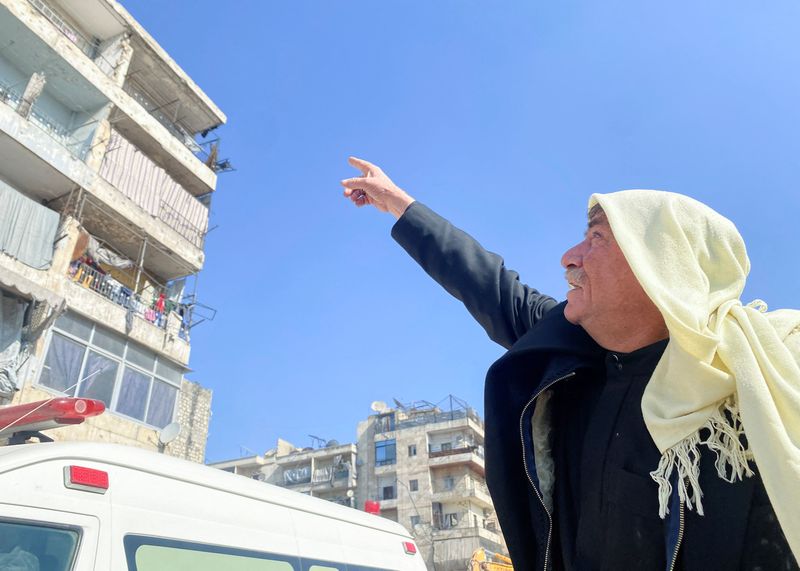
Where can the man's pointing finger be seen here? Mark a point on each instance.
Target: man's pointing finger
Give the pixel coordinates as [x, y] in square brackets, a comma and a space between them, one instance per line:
[364, 166]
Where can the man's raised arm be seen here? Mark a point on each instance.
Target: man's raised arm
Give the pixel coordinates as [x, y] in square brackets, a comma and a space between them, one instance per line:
[494, 296]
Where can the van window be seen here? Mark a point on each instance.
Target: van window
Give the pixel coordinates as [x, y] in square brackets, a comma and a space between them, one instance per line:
[35, 547]
[156, 554]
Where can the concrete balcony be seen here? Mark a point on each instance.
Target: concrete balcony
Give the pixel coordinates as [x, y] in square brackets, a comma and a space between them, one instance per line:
[471, 456]
[129, 117]
[338, 481]
[475, 491]
[44, 168]
[95, 307]
[388, 504]
[467, 532]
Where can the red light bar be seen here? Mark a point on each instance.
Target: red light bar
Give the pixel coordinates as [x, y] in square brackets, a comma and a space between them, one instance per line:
[86, 479]
[51, 413]
[409, 547]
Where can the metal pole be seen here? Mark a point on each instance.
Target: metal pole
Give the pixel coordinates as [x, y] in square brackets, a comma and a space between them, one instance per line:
[140, 264]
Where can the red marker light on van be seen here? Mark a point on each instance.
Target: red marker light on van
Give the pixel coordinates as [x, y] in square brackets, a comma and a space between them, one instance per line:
[86, 479]
[409, 547]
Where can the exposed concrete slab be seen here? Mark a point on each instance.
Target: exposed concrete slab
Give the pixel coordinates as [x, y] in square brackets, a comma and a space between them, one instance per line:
[133, 120]
[39, 166]
[107, 18]
[92, 305]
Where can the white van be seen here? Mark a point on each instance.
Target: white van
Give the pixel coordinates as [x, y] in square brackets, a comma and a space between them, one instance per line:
[90, 506]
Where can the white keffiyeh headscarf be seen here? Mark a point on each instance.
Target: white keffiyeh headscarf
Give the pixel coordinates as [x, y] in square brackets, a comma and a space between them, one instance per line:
[729, 368]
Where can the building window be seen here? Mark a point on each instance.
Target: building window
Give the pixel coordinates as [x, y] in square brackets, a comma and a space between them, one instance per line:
[384, 423]
[414, 521]
[412, 449]
[413, 485]
[450, 520]
[385, 452]
[449, 483]
[446, 446]
[86, 360]
[387, 493]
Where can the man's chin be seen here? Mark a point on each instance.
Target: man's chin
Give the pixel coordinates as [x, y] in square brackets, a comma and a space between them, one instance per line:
[572, 314]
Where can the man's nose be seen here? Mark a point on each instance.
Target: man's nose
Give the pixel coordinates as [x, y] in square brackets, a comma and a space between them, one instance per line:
[573, 256]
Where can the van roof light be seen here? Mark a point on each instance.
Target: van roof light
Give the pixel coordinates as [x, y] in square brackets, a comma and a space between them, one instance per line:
[86, 479]
[50, 413]
[409, 547]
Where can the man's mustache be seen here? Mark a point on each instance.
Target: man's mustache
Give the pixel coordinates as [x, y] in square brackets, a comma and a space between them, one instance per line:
[575, 277]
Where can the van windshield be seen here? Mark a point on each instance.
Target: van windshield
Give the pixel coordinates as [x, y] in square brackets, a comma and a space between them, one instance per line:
[34, 547]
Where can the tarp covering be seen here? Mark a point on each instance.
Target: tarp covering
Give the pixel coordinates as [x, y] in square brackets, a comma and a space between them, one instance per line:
[149, 186]
[12, 313]
[27, 229]
[105, 256]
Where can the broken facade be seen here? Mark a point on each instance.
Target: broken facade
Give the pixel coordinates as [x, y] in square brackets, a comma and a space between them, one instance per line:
[105, 190]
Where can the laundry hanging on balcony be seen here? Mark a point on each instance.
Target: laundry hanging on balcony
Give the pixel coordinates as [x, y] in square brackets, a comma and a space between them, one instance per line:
[27, 229]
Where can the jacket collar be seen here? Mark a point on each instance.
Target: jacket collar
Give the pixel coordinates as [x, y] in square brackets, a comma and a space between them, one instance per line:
[553, 333]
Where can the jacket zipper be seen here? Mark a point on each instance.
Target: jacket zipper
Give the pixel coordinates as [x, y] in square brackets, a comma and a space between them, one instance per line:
[527, 471]
[681, 525]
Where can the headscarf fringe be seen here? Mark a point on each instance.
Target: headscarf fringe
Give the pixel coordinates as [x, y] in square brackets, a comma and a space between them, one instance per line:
[725, 433]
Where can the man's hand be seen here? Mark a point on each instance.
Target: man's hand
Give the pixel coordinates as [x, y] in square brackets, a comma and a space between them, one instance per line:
[375, 188]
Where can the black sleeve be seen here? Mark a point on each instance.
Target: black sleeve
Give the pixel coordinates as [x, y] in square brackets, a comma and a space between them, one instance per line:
[494, 296]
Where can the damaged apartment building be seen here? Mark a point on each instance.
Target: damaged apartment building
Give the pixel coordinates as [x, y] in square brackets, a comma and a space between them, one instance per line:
[419, 464]
[106, 173]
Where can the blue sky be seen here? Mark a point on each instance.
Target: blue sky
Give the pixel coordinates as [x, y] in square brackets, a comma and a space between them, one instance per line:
[503, 117]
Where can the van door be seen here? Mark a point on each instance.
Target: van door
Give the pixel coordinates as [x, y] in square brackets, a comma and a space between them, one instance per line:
[43, 539]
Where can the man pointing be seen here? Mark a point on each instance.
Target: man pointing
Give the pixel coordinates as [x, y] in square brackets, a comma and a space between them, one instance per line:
[649, 422]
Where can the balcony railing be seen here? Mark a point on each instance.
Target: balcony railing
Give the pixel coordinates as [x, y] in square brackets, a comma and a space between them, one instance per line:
[433, 417]
[91, 48]
[153, 310]
[181, 224]
[478, 450]
[157, 112]
[462, 520]
[52, 128]
[460, 488]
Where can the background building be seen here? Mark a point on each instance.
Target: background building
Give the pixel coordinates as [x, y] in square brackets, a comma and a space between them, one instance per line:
[420, 465]
[327, 472]
[424, 464]
[106, 174]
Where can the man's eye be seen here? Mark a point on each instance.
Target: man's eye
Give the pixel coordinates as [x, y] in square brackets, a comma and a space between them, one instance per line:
[596, 234]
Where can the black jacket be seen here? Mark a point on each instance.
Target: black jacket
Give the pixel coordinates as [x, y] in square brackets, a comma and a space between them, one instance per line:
[739, 530]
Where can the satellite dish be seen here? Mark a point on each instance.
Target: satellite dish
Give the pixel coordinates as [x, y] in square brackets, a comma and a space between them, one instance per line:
[169, 433]
[331, 443]
[379, 406]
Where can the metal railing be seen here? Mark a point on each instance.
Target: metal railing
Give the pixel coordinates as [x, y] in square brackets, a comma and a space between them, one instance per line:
[52, 128]
[99, 282]
[156, 111]
[460, 488]
[475, 449]
[91, 48]
[434, 417]
[178, 222]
